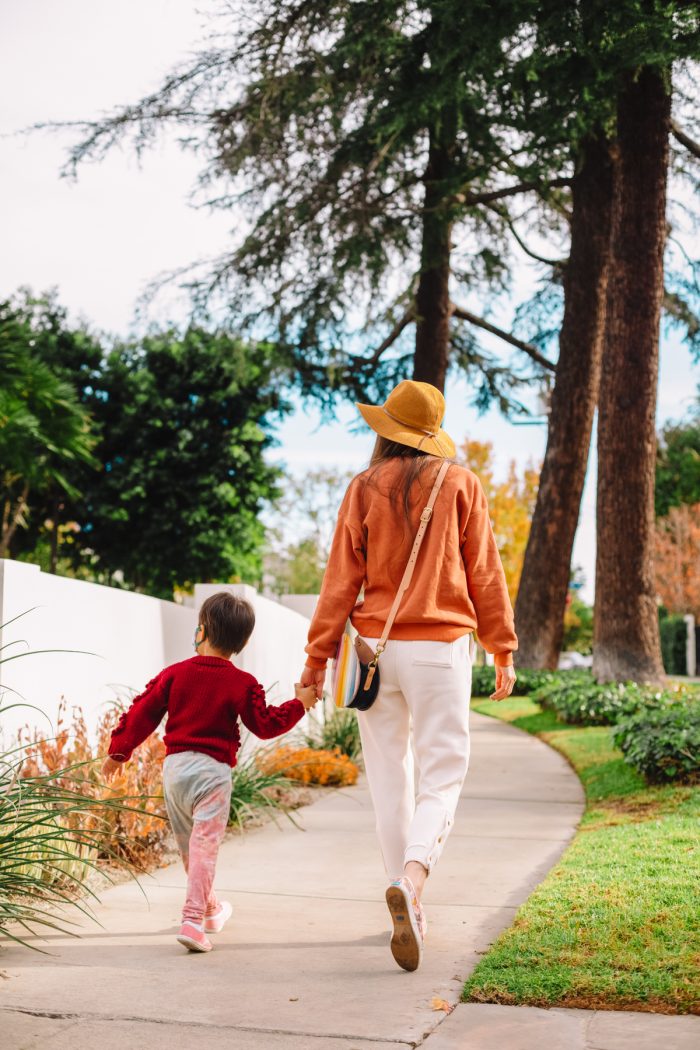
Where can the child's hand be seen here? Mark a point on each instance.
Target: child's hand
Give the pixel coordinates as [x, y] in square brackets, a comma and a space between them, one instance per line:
[307, 695]
[110, 767]
[309, 676]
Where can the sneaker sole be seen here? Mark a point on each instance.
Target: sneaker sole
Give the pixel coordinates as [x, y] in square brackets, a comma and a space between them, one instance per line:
[406, 944]
[192, 945]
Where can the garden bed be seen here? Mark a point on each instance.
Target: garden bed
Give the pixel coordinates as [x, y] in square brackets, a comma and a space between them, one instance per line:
[614, 925]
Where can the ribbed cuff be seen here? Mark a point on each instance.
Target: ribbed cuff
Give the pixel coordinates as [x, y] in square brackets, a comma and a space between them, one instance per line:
[316, 663]
[503, 659]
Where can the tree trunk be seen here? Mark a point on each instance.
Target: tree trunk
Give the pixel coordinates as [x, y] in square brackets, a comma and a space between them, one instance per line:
[539, 608]
[12, 518]
[626, 635]
[54, 535]
[433, 304]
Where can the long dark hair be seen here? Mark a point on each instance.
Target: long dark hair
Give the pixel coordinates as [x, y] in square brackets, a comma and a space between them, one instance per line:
[414, 463]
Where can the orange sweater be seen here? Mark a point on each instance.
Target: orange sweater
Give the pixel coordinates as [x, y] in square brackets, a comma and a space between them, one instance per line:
[458, 585]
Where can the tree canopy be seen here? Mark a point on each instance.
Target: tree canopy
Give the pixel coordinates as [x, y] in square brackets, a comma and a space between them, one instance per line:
[678, 464]
[511, 502]
[44, 433]
[180, 423]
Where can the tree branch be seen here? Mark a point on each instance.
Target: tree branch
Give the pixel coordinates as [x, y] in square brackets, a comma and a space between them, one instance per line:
[556, 263]
[391, 338]
[527, 348]
[510, 191]
[685, 140]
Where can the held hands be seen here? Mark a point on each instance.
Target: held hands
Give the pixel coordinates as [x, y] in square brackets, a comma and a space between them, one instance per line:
[314, 678]
[505, 680]
[307, 695]
[110, 767]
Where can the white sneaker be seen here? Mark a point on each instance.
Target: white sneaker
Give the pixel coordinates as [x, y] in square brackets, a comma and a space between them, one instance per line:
[216, 922]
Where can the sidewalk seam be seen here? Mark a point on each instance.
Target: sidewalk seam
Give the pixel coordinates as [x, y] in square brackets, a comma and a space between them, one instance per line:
[55, 1015]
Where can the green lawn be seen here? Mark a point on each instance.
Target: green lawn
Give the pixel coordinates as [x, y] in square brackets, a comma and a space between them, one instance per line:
[615, 923]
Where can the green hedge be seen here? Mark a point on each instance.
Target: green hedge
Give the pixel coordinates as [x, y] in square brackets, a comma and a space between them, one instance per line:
[664, 743]
[674, 632]
[579, 700]
[484, 680]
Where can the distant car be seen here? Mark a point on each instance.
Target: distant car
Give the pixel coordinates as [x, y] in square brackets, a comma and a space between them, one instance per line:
[572, 660]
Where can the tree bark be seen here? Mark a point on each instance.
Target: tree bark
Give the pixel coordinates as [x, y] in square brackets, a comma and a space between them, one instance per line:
[12, 517]
[541, 600]
[433, 304]
[626, 634]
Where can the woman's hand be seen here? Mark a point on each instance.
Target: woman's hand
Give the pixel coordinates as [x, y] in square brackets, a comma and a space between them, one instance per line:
[315, 678]
[505, 680]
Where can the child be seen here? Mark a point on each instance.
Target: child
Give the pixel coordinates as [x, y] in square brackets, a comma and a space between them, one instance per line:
[203, 698]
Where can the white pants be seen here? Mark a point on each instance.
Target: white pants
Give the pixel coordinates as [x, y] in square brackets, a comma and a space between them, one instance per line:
[423, 695]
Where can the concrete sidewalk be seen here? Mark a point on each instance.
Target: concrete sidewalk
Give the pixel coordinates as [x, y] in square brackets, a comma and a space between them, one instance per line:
[305, 960]
[477, 1026]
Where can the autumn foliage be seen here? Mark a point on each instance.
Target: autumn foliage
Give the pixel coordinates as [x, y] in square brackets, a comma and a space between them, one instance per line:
[511, 505]
[310, 765]
[677, 559]
[135, 831]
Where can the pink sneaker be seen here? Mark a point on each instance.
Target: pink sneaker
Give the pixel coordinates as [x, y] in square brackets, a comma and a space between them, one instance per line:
[409, 924]
[194, 938]
[215, 922]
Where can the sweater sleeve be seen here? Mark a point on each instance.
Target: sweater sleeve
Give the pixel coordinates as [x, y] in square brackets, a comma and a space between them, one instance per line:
[342, 583]
[142, 718]
[266, 721]
[486, 580]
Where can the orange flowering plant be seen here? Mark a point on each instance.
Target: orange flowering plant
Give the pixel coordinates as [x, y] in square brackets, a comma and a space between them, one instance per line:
[310, 765]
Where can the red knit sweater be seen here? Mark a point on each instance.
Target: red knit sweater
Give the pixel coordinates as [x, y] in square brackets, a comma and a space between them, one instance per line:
[203, 698]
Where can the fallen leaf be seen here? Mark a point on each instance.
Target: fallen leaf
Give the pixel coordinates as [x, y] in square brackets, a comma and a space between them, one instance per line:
[441, 1004]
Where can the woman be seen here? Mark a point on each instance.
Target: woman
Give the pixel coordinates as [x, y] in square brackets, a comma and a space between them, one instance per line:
[458, 586]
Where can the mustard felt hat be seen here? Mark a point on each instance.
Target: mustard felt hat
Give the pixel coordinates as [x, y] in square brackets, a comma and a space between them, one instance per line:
[412, 415]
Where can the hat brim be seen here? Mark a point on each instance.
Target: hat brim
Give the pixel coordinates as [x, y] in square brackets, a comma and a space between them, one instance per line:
[441, 445]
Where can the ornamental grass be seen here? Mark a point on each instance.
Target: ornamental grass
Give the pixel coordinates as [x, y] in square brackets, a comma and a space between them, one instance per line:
[57, 822]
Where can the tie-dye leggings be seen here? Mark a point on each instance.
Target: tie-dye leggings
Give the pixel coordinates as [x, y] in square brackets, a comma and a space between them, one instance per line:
[197, 792]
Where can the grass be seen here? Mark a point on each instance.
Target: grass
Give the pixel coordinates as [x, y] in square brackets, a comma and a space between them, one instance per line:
[614, 924]
[339, 729]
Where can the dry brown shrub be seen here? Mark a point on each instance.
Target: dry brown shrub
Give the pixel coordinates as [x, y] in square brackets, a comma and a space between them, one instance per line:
[135, 831]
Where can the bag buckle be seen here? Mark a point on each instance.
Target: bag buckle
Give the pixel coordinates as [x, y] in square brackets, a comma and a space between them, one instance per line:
[372, 666]
[426, 514]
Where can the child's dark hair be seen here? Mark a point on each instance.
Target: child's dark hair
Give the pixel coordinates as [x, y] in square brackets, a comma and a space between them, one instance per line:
[228, 621]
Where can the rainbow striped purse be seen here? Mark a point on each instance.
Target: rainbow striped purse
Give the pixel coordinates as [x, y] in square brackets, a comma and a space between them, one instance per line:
[354, 664]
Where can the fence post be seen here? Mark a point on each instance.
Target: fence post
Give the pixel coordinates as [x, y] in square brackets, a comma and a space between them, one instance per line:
[691, 656]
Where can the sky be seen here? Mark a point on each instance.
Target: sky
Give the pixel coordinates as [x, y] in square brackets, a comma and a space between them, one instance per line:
[100, 240]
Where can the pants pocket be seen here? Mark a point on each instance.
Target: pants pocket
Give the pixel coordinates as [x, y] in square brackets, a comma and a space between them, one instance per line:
[432, 654]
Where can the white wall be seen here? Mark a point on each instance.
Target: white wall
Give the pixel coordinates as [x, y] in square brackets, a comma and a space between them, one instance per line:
[301, 603]
[132, 636]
